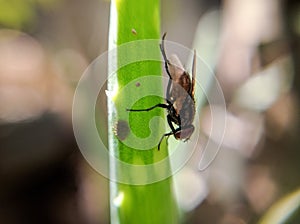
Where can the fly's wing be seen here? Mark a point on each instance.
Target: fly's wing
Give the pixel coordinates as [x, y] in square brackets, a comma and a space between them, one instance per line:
[175, 67]
[181, 83]
[192, 91]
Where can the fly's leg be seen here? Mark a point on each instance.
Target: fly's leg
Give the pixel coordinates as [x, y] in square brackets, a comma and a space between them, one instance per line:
[150, 108]
[163, 52]
[169, 119]
[167, 63]
[173, 131]
[162, 137]
[167, 135]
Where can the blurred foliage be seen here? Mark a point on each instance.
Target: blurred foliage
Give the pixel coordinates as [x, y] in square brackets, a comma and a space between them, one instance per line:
[284, 211]
[20, 14]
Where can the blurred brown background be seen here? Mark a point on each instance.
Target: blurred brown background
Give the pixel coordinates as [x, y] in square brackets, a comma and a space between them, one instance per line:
[45, 46]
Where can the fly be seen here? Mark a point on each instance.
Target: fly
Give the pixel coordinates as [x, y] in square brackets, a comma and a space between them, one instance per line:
[180, 102]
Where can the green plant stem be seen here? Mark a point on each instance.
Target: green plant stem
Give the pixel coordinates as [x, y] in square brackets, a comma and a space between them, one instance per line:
[151, 203]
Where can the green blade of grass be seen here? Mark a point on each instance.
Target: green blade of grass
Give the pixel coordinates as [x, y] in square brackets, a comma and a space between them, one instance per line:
[133, 20]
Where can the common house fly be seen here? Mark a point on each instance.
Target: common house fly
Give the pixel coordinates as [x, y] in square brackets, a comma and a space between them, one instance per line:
[180, 102]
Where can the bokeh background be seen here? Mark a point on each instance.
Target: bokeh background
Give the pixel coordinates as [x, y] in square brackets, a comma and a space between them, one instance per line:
[252, 45]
